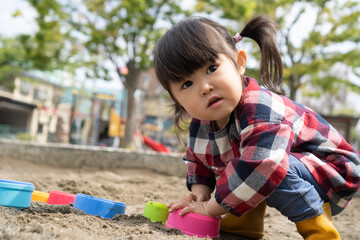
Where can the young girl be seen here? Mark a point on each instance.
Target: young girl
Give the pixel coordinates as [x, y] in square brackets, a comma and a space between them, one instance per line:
[253, 145]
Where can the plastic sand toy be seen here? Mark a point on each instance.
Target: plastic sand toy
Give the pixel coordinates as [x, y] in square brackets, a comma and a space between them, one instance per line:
[40, 196]
[194, 224]
[156, 212]
[15, 194]
[98, 206]
[61, 198]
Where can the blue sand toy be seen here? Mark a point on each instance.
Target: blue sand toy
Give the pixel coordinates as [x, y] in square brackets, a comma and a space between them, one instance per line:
[98, 206]
[15, 194]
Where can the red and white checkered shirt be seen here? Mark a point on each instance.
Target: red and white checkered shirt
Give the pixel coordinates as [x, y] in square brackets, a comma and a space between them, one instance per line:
[250, 155]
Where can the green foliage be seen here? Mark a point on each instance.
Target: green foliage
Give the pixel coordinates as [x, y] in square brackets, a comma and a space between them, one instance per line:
[46, 49]
[50, 48]
[118, 34]
[98, 35]
[333, 39]
[336, 28]
[11, 61]
[122, 32]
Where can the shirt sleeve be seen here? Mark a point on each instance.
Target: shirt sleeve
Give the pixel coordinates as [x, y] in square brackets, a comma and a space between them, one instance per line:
[262, 165]
[197, 173]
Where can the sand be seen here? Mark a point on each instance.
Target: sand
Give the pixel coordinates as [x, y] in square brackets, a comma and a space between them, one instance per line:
[134, 187]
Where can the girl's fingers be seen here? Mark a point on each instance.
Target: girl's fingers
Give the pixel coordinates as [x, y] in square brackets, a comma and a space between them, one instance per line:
[172, 203]
[176, 201]
[196, 207]
[186, 210]
[178, 205]
[189, 198]
[187, 204]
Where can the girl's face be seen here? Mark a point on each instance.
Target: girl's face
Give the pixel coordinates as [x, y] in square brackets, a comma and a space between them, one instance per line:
[213, 91]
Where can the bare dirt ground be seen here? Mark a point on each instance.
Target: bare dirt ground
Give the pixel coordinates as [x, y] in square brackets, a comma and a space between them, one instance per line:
[134, 187]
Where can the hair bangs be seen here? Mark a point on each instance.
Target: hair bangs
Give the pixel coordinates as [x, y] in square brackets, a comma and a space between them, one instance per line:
[186, 48]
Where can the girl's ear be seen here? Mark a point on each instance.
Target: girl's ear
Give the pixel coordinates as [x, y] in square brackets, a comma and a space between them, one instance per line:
[241, 60]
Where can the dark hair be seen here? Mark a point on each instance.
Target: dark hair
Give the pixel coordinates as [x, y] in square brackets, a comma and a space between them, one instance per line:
[196, 41]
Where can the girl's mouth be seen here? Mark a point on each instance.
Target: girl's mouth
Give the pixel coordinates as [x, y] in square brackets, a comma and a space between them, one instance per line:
[213, 101]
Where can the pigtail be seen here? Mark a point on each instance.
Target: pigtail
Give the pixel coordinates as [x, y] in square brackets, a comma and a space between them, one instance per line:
[263, 30]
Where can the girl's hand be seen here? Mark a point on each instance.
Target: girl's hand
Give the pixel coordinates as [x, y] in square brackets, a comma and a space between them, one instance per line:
[190, 198]
[189, 206]
[208, 208]
[196, 207]
[180, 203]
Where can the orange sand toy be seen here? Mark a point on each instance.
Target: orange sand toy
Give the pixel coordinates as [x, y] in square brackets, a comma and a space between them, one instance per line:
[40, 196]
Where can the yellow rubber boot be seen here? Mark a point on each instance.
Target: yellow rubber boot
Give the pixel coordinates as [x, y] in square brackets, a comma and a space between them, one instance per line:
[250, 224]
[327, 212]
[319, 227]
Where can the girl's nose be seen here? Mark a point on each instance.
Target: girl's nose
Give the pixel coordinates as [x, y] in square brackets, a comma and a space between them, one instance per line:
[207, 88]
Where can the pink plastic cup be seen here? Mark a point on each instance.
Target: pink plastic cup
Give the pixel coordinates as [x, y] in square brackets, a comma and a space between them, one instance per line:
[194, 224]
[61, 198]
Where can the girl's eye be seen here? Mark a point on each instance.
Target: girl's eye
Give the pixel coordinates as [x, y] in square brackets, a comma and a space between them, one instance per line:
[187, 84]
[211, 69]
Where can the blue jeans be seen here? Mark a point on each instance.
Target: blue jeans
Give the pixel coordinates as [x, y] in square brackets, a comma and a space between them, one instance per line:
[299, 196]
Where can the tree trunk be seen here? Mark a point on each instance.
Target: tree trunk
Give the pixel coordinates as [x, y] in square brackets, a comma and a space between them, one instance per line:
[294, 83]
[130, 118]
[131, 84]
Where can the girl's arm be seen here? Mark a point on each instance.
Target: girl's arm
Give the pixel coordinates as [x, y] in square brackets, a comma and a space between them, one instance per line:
[202, 192]
[263, 164]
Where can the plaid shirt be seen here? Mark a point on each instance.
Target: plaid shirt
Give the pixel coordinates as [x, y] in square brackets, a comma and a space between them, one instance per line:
[250, 155]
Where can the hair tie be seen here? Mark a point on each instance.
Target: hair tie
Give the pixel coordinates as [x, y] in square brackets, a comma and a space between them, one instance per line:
[237, 38]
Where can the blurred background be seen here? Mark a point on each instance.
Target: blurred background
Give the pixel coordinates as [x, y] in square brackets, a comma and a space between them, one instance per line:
[81, 71]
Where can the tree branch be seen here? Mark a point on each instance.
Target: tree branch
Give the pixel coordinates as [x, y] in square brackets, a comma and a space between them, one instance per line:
[287, 36]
